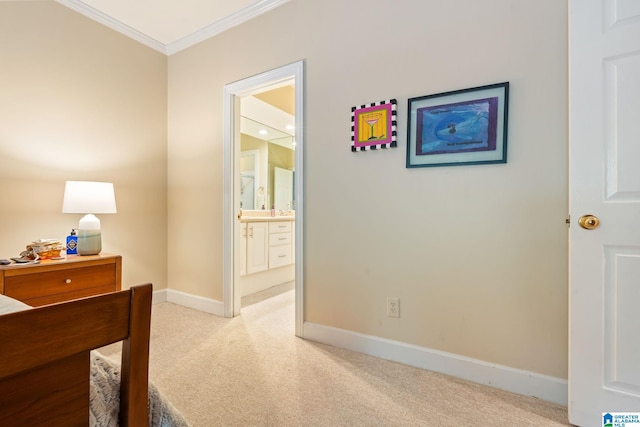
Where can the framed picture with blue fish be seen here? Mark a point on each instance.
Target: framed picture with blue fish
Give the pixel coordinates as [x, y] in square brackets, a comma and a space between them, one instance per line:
[461, 127]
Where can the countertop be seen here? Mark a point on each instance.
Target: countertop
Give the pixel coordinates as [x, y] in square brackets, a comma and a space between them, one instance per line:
[266, 218]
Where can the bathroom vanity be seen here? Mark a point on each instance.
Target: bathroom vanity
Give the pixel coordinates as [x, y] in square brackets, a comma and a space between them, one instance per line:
[267, 250]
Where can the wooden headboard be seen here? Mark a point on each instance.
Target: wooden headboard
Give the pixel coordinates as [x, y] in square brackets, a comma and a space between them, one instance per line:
[45, 354]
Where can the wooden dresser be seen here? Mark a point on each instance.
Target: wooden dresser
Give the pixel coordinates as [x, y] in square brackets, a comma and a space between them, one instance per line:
[53, 281]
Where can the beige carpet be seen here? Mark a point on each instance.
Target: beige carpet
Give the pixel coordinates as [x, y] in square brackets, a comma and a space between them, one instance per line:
[253, 371]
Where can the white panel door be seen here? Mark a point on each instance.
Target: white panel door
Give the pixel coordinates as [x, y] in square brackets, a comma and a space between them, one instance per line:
[604, 338]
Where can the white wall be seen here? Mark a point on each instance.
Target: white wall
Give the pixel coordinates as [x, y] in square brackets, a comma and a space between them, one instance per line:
[476, 254]
[79, 101]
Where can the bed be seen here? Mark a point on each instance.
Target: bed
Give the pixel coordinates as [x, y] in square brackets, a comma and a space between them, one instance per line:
[51, 374]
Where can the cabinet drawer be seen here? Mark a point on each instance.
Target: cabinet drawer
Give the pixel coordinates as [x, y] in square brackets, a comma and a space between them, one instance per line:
[280, 226]
[276, 239]
[279, 256]
[61, 285]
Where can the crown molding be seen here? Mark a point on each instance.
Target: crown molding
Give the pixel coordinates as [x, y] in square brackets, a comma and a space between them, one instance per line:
[224, 24]
[114, 24]
[204, 33]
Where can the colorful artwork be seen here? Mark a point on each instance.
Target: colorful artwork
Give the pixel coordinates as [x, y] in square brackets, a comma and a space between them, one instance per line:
[467, 126]
[373, 126]
[457, 128]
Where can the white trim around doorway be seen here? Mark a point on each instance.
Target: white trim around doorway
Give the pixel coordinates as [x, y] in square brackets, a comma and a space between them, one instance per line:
[245, 87]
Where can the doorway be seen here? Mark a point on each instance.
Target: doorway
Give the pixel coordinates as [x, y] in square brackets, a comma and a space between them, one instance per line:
[233, 93]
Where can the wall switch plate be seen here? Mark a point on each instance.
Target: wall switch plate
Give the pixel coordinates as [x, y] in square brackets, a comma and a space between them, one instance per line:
[393, 307]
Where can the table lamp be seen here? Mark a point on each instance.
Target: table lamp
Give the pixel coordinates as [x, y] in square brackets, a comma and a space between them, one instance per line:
[88, 197]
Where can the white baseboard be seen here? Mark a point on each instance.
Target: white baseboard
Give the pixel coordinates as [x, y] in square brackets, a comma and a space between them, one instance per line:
[207, 305]
[517, 381]
[159, 296]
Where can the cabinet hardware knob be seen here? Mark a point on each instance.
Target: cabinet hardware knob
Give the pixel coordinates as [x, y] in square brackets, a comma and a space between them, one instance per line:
[68, 281]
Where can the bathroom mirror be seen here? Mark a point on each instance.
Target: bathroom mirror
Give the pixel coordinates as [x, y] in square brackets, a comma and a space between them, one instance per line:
[266, 166]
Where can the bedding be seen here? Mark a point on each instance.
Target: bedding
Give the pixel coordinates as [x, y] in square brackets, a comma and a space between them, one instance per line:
[9, 305]
[104, 385]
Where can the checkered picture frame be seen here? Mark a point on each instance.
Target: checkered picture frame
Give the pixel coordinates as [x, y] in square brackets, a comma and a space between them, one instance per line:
[387, 110]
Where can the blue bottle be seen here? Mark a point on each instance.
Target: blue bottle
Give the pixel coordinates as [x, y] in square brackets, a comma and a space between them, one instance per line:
[72, 243]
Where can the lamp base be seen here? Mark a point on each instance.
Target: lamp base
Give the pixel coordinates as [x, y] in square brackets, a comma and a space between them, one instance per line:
[89, 236]
[89, 242]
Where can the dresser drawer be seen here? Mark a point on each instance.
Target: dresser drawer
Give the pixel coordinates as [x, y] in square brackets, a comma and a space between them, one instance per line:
[276, 239]
[279, 256]
[280, 226]
[40, 288]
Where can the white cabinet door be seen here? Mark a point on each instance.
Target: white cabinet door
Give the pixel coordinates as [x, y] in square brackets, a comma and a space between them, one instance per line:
[604, 295]
[243, 249]
[257, 247]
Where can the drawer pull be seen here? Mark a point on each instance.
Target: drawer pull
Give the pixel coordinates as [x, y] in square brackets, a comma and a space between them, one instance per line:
[281, 256]
[67, 281]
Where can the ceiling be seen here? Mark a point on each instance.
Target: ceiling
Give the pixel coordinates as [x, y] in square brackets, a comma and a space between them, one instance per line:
[171, 25]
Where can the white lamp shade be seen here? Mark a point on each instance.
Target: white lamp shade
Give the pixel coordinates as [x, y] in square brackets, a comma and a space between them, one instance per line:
[89, 197]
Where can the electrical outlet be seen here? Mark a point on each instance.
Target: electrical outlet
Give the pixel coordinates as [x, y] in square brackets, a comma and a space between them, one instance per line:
[393, 307]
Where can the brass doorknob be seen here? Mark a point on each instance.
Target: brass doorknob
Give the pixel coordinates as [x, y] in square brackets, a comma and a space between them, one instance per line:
[589, 222]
